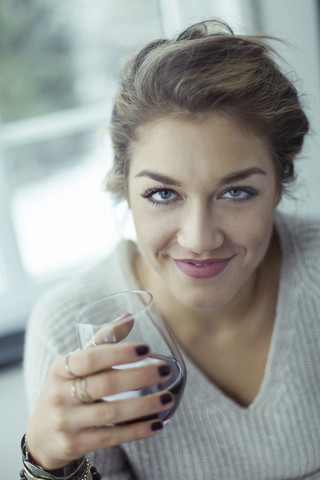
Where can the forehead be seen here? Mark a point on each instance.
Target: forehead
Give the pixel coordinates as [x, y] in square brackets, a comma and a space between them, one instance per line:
[191, 146]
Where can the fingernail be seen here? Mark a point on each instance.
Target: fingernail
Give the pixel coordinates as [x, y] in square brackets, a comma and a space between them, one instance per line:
[142, 350]
[166, 398]
[156, 426]
[164, 370]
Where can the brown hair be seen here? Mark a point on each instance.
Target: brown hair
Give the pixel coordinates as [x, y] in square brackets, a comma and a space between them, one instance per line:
[205, 69]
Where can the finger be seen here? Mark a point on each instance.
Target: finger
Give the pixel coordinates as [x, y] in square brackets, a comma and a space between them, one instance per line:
[111, 413]
[92, 360]
[74, 445]
[115, 331]
[117, 380]
[104, 437]
[67, 366]
[121, 329]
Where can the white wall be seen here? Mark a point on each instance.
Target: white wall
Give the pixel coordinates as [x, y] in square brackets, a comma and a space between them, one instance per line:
[297, 21]
[177, 14]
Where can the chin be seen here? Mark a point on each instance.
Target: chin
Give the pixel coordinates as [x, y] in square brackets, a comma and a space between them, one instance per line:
[203, 299]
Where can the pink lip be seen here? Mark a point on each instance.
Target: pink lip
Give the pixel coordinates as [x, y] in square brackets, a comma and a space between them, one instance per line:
[202, 268]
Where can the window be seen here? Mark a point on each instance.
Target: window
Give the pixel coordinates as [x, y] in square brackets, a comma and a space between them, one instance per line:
[58, 63]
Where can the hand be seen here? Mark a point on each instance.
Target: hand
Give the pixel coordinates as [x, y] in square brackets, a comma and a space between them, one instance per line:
[64, 426]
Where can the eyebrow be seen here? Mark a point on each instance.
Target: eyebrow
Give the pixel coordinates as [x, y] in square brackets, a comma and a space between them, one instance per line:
[241, 175]
[232, 177]
[158, 178]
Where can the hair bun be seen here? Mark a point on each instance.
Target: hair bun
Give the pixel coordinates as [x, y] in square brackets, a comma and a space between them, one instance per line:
[206, 29]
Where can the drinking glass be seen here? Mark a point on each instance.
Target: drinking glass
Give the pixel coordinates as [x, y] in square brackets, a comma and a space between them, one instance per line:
[131, 316]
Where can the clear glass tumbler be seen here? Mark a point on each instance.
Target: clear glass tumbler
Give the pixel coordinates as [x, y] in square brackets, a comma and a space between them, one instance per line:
[131, 316]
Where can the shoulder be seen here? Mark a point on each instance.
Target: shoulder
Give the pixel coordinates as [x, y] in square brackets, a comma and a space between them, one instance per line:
[300, 245]
[301, 234]
[53, 315]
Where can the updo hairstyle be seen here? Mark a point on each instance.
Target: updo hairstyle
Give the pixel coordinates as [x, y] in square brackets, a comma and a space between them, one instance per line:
[207, 69]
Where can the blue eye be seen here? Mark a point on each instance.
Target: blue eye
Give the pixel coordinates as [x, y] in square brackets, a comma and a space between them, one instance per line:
[160, 196]
[239, 194]
[236, 193]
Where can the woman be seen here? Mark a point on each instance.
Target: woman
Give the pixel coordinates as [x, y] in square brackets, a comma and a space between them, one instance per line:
[205, 130]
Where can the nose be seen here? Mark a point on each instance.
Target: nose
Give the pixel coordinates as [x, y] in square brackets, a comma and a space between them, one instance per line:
[200, 230]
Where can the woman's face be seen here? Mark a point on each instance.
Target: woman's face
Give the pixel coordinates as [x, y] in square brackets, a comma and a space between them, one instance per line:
[202, 195]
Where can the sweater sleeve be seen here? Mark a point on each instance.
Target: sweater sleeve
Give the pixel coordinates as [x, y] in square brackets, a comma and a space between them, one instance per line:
[41, 348]
[51, 333]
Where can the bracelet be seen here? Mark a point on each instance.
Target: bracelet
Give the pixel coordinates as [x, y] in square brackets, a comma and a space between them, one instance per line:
[78, 470]
[94, 473]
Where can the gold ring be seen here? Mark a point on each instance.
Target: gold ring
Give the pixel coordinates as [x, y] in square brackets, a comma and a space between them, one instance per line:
[79, 392]
[67, 366]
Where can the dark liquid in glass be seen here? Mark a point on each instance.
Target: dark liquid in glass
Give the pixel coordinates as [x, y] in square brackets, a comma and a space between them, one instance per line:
[175, 384]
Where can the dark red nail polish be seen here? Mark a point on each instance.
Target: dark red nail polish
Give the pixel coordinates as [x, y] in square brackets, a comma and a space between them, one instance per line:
[142, 350]
[164, 370]
[166, 398]
[156, 426]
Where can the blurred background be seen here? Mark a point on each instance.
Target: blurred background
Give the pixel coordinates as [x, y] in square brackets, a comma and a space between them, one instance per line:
[57, 79]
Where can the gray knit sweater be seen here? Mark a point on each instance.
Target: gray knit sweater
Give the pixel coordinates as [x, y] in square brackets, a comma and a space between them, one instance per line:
[210, 436]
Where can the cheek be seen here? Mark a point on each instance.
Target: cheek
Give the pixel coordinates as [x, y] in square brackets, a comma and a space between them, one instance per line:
[154, 231]
[252, 232]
